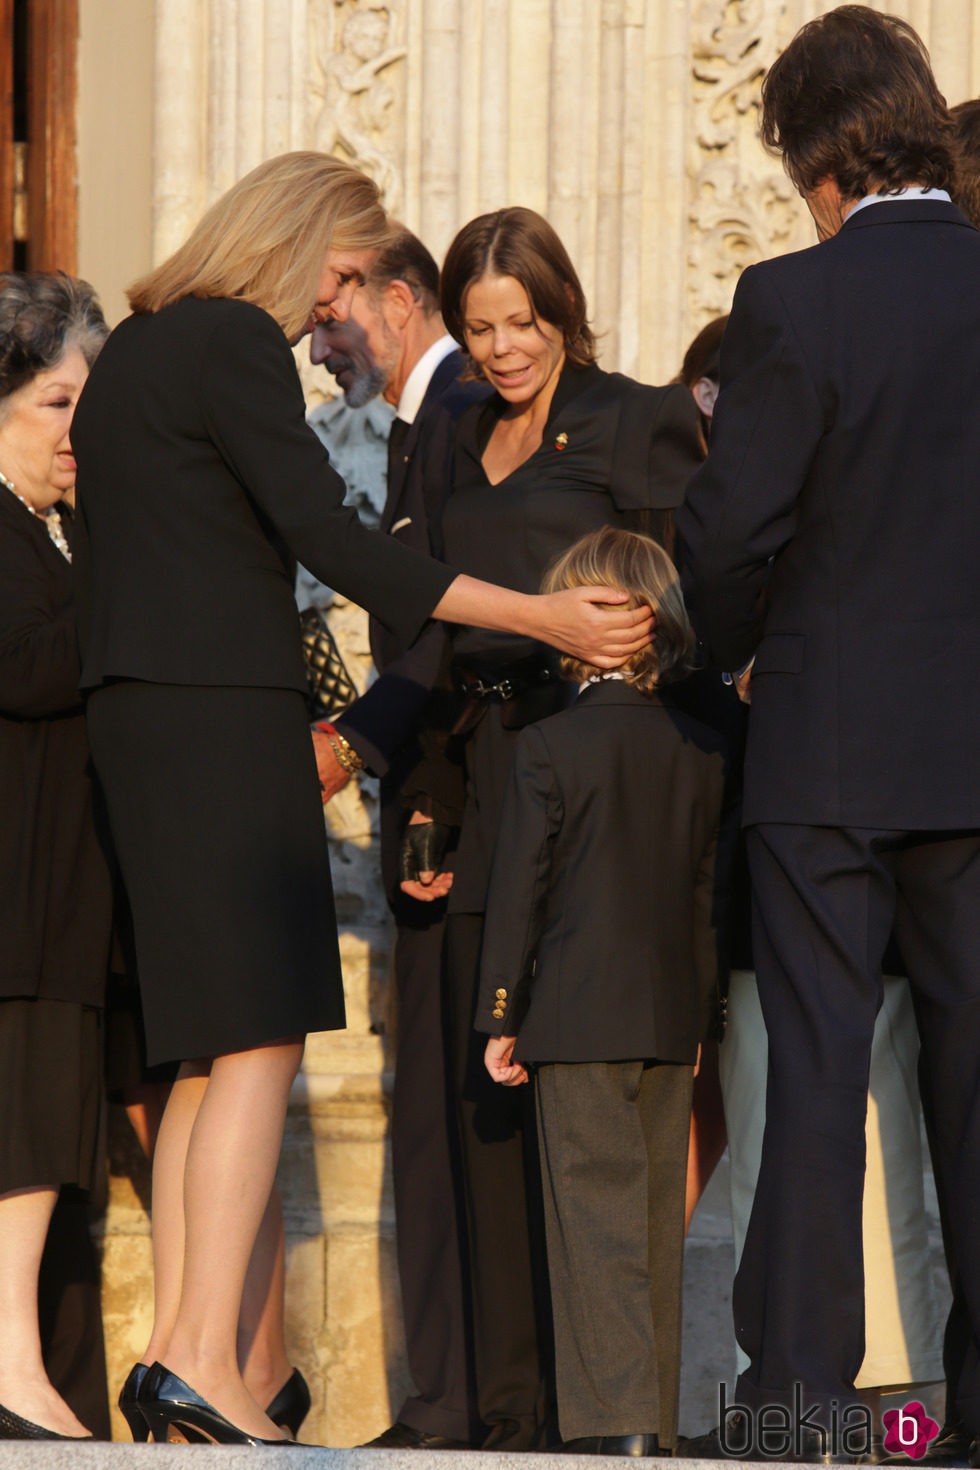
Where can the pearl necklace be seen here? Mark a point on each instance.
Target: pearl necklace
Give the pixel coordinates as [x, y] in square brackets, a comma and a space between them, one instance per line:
[50, 518]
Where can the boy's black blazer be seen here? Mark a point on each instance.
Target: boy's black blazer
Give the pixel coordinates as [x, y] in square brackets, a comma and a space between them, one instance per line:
[846, 451]
[194, 460]
[603, 915]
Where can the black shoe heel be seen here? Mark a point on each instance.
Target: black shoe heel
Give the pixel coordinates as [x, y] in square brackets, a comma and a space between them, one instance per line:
[175, 1414]
[129, 1404]
[291, 1404]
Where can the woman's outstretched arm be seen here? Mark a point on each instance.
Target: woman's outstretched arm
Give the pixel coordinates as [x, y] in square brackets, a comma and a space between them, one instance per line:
[589, 622]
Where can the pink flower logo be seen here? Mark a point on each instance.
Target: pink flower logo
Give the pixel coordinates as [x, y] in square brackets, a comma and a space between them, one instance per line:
[908, 1430]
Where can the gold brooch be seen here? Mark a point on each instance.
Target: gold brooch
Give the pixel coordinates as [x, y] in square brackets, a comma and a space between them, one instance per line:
[562, 441]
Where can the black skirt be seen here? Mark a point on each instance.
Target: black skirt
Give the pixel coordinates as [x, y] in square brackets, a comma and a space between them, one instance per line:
[50, 1093]
[215, 811]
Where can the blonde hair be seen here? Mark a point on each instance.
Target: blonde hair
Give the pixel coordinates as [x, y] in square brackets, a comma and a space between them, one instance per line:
[265, 239]
[637, 565]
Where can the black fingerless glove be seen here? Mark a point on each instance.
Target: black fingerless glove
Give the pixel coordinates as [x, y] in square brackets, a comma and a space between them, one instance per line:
[422, 848]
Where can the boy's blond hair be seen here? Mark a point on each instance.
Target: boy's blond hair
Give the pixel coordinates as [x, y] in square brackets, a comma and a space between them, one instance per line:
[639, 566]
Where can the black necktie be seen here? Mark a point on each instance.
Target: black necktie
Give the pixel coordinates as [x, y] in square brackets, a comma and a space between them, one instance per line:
[396, 444]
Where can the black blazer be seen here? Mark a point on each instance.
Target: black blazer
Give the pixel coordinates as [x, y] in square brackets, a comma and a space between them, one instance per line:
[386, 717]
[603, 919]
[193, 454]
[846, 450]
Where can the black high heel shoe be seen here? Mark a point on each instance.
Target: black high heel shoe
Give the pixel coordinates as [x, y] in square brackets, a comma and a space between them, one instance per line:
[178, 1415]
[129, 1402]
[12, 1426]
[291, 1404]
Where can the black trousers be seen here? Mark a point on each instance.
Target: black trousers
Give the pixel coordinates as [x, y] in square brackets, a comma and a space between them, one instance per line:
[508, 1260]
[825, 901]
[428, 1198]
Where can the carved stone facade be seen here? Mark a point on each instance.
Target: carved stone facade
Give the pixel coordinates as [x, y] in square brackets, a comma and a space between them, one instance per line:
[632, 125]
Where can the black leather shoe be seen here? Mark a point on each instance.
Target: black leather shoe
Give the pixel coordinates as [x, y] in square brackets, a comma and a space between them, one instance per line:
[291, 1404]
[129, 1402]
[633, 1445]
[401, 1436]
[950, 1447]
[737, 1445]
[12, 1426]
[178, 1415]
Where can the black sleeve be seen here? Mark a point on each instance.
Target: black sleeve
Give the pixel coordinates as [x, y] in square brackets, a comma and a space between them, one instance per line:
[39, 661]
[529, 823]
[742, 507]
[255, 414]
[657, 447]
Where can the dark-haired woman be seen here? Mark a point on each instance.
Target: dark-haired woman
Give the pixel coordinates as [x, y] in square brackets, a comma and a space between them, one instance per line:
[560, 449]
[55, 896]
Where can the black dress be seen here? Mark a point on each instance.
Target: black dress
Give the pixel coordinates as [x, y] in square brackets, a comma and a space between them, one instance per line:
[55, 894]
[195, 464]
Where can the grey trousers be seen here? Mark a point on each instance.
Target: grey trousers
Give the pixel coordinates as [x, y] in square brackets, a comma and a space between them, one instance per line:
[614, 1141]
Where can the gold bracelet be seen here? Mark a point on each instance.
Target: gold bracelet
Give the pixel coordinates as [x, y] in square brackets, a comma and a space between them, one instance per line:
[347, 757]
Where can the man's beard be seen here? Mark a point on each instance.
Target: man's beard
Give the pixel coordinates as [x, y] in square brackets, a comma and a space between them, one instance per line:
[365, 383]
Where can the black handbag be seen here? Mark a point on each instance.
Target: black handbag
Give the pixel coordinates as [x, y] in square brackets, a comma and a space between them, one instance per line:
[331, 689]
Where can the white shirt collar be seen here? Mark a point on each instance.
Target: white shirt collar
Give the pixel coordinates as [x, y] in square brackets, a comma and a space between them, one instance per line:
[902, 197]
[418, 380]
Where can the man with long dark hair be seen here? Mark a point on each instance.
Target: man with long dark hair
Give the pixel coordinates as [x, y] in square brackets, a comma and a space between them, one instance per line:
[833, 536]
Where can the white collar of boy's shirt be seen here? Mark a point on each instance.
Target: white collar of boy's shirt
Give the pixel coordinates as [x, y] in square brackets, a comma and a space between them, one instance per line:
[915, 191]
[602, 679]
[418, 380]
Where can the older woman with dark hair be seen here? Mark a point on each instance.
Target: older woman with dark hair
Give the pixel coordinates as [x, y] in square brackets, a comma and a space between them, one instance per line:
[560, 449]
[55, 896]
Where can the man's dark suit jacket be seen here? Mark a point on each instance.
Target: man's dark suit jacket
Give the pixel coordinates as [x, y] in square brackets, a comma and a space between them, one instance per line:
[384, 723]
[602, 914]
[194, 458]
[846, 447]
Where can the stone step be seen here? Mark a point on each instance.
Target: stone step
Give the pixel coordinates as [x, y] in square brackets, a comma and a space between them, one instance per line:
[23, 1455]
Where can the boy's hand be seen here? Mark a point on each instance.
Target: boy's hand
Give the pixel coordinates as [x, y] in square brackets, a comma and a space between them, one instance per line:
[497, 1058]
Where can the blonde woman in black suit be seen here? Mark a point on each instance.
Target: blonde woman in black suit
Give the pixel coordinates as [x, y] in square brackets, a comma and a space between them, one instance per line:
[195, 465]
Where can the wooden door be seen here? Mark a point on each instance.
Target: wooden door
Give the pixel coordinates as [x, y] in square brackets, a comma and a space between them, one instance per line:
[38, 166]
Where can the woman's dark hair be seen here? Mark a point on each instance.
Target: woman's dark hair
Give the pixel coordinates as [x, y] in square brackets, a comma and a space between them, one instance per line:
[853, 98]
[43, 316]
[703, 357]
[966, 191]
[518, 242]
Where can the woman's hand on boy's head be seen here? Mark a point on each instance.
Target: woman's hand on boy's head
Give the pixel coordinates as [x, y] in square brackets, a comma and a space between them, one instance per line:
[592, 624]
[499, 1062]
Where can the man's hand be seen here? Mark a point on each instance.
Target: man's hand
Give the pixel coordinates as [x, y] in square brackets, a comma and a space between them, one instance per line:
[419, 858]
[332, 775]
[498, 1059]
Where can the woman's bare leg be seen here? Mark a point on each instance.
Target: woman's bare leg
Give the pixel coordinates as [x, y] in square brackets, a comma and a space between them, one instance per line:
[708, 1136]
[25, 1389]
[231, 1160]
[261, 1325]
[169, 1164]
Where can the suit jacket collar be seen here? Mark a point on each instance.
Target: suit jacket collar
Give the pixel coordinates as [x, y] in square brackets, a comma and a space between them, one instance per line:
[614, 691]
[901, 212]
